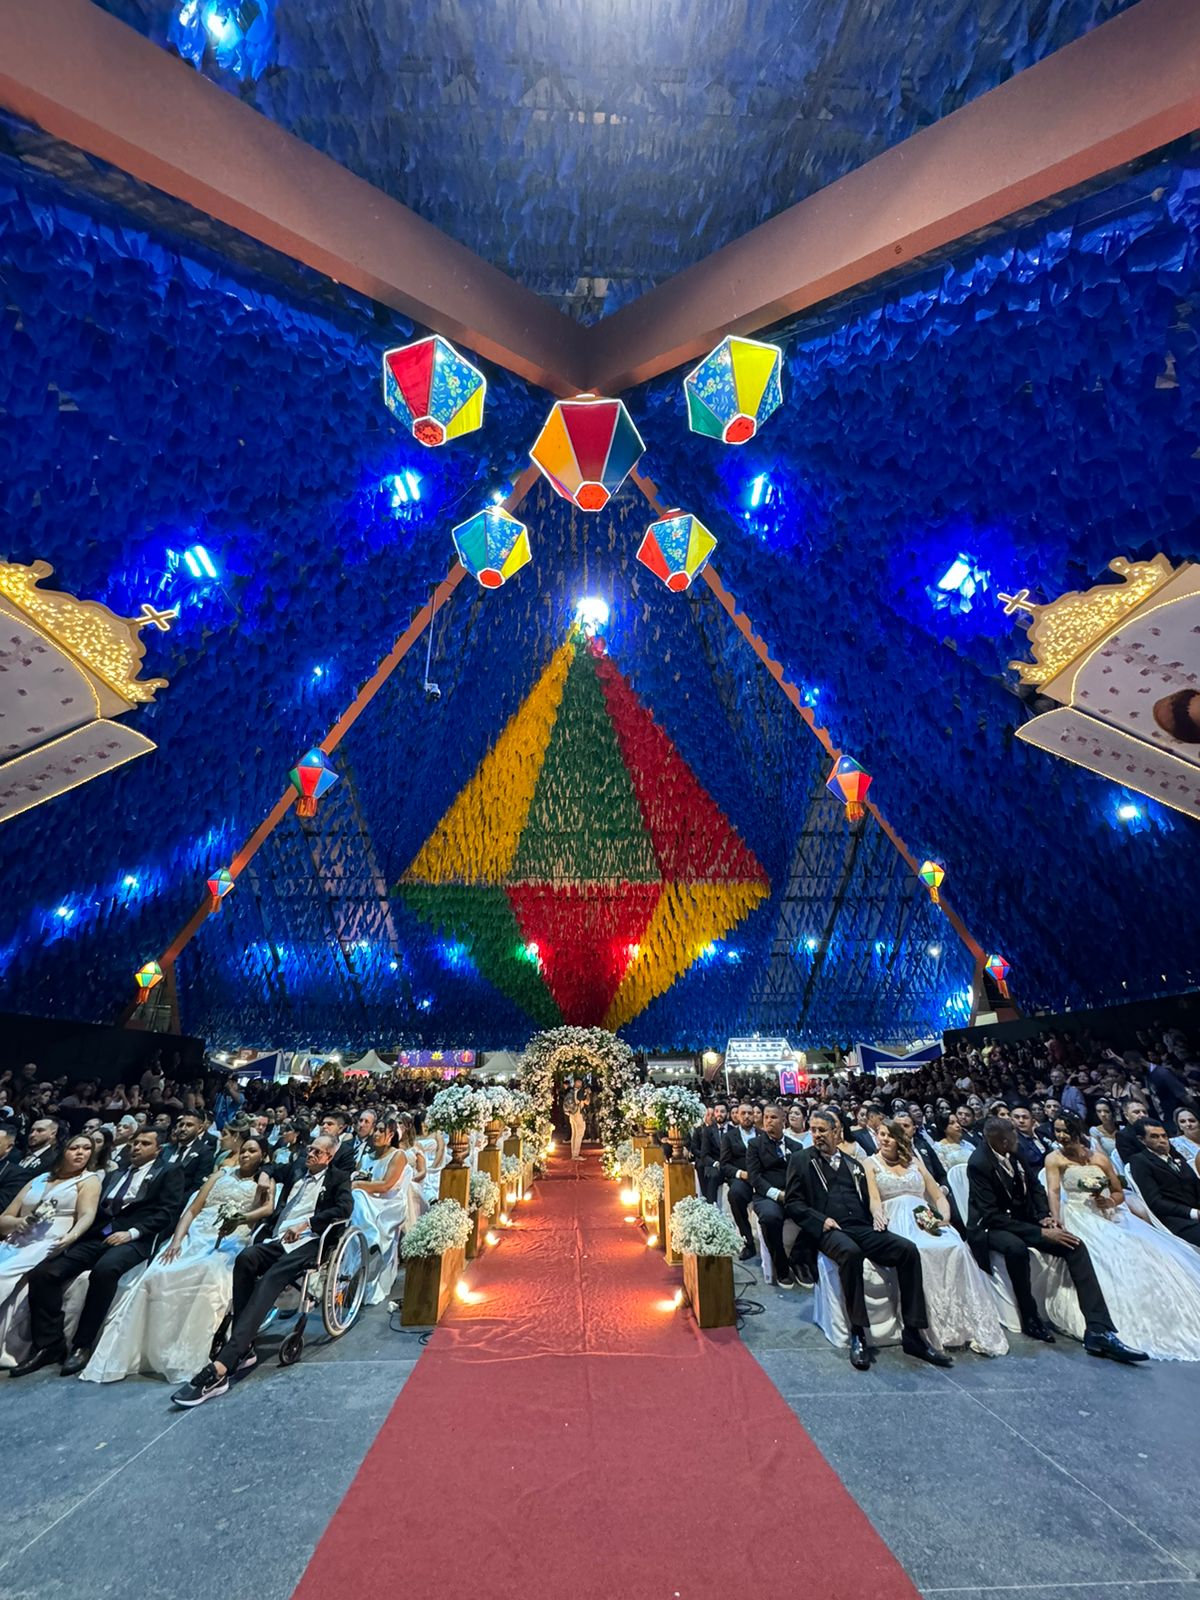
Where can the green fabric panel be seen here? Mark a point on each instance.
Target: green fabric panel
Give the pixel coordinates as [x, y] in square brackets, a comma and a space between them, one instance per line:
[482, 919]
[585, 825]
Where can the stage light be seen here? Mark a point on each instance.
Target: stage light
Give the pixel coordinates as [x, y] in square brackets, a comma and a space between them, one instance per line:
[629, 1197]
[318, 672]
[491, 1237]
[959, 585]
[811, 944]
[130, 881]
[761, 491]
[651, 1240]
[679, 1298]
[592, 615]
[65, 913]
[934, 950]
[1128, 812]
[198, 562]
[505, 1220]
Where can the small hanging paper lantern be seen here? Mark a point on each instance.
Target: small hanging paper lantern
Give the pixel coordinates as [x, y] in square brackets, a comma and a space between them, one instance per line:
[849, 782]
[676, 548]
[312, 776]
[734, 389]
[147, 978]
[219, 886]
[492, 545]
[998, 969]
[436, 393]
[931, 875]
[587, 448]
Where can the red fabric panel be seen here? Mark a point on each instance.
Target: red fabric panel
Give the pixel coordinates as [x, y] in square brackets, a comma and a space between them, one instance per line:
[692, 838]
[583, 934]
[573, 1435]
[412, 369]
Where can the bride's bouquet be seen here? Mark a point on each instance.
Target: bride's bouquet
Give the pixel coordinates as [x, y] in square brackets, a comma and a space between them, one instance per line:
[44, 1212]
[928, 1220]
[229, 1217]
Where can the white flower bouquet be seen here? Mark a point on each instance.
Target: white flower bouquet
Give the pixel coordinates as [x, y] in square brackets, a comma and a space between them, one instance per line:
[650, 1180]
[627, 1160]
[41, 1216]
[445, 1226]
[637, 1105]
[455, 1110]
[485, 1196]
[510, 1166]
[699, 1229]
[676, 1107]
[498, 1104]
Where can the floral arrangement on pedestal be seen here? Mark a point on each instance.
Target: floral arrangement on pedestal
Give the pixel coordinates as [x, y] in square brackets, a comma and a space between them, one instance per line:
[627, 1162]
[485, 1194]
[637, 1110]
[676, 1109]
[498, 1103]
[585, 1050]
[445, 1226]
[650, 1180]
[458, 1109]
[699, 1228]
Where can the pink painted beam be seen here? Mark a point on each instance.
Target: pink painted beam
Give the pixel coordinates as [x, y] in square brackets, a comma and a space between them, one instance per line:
[89, 79]
[1118, 93]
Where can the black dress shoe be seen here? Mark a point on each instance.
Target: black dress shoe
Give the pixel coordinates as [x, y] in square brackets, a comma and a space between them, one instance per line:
[1038, 1330]
[75, 1362]
[749, 1253]
[1110, 1348]
[860, 1356]
[36, 1360]
[785, 1281]
[916, 1345]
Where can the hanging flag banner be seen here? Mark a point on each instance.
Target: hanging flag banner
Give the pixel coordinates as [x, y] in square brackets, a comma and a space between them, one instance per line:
[873, 1060]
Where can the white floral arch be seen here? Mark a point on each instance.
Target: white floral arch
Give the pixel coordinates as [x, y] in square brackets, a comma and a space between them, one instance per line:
[593, 1050]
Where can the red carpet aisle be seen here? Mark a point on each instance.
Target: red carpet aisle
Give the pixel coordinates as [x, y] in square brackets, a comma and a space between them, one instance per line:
[571, 1437]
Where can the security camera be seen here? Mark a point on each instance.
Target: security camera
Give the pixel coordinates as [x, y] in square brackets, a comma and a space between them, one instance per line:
[432, 692]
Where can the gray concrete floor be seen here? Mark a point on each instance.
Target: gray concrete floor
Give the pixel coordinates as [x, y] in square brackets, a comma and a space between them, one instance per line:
[1041, 1475]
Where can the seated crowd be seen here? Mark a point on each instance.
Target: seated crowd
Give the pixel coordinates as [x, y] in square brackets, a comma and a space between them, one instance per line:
[1061, 1170]
[131, 1245]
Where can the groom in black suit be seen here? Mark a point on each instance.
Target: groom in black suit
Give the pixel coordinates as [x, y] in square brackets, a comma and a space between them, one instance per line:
[1009, 1213]
[136, 1205]
[826, 1195]
[1167, 1183]
[767, 1163]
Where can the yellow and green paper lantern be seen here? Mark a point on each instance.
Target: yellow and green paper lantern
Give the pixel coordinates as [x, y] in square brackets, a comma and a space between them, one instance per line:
[734, 389]
[492, 545]
[676, 548]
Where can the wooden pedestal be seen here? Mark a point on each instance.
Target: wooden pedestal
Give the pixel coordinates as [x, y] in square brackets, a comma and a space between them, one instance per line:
[455, 1184]
[512, 1145]
[708, 1285]
[652, 1154]
[679, 1184]
[477, 1238]
[428, 1284]
[489, 1162]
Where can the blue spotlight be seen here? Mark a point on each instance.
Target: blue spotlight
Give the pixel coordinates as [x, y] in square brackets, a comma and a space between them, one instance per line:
[198, 562]
[957, 588]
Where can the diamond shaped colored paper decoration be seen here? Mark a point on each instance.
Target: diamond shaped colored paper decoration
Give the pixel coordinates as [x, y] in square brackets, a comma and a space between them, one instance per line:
[219, 886]
[676, 548]
[584, 866]
[587, 448]
[492, 545]
[849, 782]
[734, 389]
[998, 969]
[932, 874]
[312, 776]
[147, 978]
[435, 392]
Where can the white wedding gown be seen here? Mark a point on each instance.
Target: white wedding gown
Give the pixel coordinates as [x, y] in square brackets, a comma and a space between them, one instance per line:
[1150, 1278]
[383, 1218]
[431, 1184]
[166, 1322]
[21, 1252]
[962, 1307]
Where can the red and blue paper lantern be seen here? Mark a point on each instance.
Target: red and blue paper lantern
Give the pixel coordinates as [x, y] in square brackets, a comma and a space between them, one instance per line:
[849, 783]
[312, 776]
[998, 969]
[587, 448]
[676, 548]
[432, 390]
[492, 545]
[219, 885]
[734, 389]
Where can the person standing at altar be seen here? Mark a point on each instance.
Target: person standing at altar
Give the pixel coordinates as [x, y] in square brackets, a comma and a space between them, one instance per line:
[575, 1104]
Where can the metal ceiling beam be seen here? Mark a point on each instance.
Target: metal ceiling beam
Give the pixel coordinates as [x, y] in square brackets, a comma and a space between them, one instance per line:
[1120, 92]
[87, 78]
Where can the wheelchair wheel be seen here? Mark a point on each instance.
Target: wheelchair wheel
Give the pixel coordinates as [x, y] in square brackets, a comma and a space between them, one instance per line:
[289, 1350]
[345, 1283]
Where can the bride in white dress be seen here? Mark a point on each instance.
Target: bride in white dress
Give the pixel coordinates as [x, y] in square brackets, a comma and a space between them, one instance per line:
[436, 1152]
[1150, 1278]
[166, 1322]
[381, 1209]
[50, 1213]
[962, 1307]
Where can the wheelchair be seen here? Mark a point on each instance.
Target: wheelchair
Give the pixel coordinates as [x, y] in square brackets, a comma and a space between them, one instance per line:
[335, 1284]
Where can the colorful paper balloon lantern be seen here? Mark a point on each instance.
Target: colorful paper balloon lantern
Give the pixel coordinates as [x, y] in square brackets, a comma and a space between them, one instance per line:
[849, 782]
[436, 393]
[932, 874]
[734, 389]
[219, 886]
[587, 448]
[676, 548]
[312, 776]
[998, 969]
[147, 978]
[492, 545]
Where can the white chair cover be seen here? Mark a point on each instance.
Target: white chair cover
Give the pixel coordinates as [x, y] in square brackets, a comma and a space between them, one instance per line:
[883, 1304]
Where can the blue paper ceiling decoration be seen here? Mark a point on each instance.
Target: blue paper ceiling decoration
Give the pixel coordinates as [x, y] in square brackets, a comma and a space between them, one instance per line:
[1015, 384]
